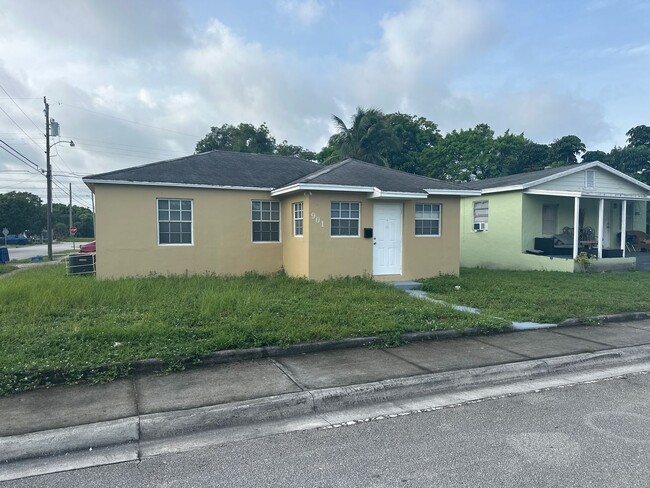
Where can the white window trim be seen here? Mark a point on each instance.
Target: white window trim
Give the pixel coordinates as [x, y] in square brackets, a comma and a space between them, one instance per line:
[358, 221]
[439, 221]
[487, 218]
[590, 177]
[279, 221]
[301, 219]
[174, 244]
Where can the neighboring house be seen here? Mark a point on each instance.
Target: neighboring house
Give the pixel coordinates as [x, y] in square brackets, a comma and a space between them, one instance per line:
[231, 213]
[528, 220]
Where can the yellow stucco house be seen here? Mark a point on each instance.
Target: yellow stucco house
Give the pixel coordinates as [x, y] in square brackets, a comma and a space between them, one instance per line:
[230, 213]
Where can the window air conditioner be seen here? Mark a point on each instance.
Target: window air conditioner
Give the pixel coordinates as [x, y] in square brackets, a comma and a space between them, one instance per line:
[479, 226]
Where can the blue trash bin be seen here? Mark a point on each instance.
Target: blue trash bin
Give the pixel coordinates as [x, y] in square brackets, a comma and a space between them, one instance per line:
[4, 255]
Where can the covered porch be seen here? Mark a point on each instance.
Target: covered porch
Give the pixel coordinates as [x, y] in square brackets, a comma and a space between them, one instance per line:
[563, 226]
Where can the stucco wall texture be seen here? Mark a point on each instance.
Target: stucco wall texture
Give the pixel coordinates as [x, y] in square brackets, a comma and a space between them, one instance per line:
[222, 244]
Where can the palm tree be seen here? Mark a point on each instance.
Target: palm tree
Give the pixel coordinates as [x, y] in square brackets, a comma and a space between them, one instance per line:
[367, 139]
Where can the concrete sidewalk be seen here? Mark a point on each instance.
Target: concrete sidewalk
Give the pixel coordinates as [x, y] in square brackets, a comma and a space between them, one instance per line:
[133, 411]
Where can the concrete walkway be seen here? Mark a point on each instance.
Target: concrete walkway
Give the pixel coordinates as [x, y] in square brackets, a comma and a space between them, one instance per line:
[137, 412]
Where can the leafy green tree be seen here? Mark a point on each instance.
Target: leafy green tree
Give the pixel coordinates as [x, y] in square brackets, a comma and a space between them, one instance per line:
[566, 150]
[464, 155]
[517, 154]
[60, 230]
[82, 219]
[22, 212]
[633, 161]
[369, 138]
[286, 149]
[250, 139]
[601, 156]
[242, 138]
[533, 157]
[638, 136]
[415, 134]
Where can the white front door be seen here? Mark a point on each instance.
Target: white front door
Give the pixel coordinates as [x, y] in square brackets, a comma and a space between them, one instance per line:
[387, 239]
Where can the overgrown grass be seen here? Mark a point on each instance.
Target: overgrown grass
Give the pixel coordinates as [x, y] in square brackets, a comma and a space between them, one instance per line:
[54, 326]
[6, 268]
[544, 296]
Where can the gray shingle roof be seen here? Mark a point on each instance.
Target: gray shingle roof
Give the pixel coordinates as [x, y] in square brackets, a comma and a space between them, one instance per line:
[358, 173]
[515, 180]
[235, 169]
[216, 168]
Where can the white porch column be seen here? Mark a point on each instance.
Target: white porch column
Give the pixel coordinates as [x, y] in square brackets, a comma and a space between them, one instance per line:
[623, 225]
[576, 224]
[601, 226]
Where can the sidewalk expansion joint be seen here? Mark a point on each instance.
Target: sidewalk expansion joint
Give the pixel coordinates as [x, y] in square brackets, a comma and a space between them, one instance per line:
[511, 351]
[138, 415]
[284, 370]
[412, 363]
[566, 334]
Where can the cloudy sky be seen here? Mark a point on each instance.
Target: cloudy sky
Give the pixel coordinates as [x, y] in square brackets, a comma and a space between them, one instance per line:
[137, 81]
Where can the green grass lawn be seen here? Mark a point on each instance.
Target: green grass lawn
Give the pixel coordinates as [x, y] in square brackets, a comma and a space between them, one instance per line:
[54, 326]
[6, 268]
[544, 296]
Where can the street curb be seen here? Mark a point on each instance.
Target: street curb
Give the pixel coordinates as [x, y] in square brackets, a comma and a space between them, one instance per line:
[603, 319]
[165, 425]
[121, 434]
[147, 366]
[128, 437]
[155, 365]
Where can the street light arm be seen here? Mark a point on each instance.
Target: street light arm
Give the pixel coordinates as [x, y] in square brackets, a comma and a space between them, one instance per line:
[71, 142]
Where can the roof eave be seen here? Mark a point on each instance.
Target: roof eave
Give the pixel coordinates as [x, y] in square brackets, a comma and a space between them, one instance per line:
[397, 195]
[321, 187]
[92, 181]
[453, 192]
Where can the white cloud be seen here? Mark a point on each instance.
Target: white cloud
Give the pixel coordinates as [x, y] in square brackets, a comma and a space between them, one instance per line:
[121, 28]
[305, 12]
[140, 82]
[420, 51]
[246, 83]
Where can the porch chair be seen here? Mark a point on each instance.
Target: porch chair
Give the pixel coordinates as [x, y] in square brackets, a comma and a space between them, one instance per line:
[636, 240]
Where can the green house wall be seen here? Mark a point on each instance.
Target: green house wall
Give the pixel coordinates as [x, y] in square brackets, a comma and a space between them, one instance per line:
[514, 220]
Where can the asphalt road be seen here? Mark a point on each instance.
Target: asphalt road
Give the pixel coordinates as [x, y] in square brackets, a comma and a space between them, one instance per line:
[28, 252]
[595, 434]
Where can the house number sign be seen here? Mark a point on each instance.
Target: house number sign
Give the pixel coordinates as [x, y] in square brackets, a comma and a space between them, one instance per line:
[317, 219]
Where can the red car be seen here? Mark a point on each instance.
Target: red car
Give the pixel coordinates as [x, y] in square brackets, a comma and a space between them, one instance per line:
[88, 247]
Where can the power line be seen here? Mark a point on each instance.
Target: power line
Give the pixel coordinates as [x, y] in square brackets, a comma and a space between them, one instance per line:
[16, 104]
[128, 120]
[20, 156]
[17, 125]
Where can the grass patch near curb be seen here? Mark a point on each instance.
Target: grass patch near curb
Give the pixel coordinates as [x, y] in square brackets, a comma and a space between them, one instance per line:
[55, 327]
[543, 296]
[7, 268]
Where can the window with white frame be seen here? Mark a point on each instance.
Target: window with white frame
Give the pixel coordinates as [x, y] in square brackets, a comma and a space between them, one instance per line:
[174, 221]
[344, 219]
[481, 215]
[297, 218]
[265, 216]
[427, 219]
[590, 179]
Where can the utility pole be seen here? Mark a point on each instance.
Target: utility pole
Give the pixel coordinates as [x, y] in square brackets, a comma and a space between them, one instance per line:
[70, 215]
[48, 175]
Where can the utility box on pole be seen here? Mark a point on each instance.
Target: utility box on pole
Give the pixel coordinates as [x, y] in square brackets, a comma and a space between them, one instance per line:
[54, 128]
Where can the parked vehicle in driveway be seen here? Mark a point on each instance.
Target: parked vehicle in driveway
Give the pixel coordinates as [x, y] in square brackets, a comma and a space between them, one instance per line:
[16, 239]
[88, 247]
